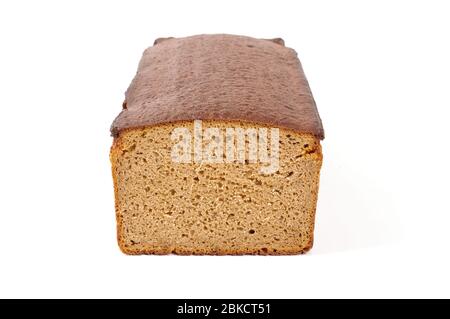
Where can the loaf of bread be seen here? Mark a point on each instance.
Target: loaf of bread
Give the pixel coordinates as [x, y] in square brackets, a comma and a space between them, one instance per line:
[217, 150]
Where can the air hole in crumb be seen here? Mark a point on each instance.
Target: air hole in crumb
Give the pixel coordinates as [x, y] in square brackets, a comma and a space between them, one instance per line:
[305, 145]
[196, 179]
[129, 149]
[251, 231]
[264, 250]
[172, 192]
[147, 189]
[290, 174]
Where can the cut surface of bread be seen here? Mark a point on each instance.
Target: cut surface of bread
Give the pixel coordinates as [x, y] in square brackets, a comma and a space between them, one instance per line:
[165, 207]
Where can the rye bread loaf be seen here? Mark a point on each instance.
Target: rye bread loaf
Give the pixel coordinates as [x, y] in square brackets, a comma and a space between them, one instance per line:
[213, 88]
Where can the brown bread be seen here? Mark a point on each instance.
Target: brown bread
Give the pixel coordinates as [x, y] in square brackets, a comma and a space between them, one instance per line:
[216, 207]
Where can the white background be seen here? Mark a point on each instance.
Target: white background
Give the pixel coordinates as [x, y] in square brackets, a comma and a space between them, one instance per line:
[380, 73]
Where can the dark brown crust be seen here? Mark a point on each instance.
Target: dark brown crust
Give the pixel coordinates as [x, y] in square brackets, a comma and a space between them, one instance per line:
[220, 77]
[219, 252]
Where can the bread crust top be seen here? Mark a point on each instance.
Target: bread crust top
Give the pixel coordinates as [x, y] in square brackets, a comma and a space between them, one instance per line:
[220, 77]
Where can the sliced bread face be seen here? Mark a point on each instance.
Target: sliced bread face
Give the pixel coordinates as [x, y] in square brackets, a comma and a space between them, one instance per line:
[211, 197]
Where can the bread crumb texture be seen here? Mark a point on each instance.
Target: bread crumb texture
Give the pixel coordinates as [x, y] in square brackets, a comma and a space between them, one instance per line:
[164, 207]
